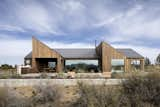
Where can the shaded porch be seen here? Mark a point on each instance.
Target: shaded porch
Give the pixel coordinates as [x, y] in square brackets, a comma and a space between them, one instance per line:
[46, 64]
[133, 64]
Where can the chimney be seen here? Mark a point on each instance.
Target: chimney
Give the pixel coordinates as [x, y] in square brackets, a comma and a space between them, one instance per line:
[95, 43]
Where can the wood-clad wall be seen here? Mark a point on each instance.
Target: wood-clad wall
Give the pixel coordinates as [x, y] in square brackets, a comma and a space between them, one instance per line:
[99, 53]
[128, 61]
[40, 50]
[109, 53]
[105, 52]
[127, 65]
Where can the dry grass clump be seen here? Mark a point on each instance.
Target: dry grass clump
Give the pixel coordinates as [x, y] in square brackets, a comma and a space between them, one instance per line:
[9, 74]
[139, 92]
[47, 95]
[96, 96]
[142, 74]
[9, 98]
[134, 92]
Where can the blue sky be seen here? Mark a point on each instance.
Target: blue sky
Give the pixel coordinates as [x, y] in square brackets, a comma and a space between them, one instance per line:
[78, 23]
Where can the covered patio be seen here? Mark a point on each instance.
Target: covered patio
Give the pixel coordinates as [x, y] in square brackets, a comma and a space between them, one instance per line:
[46, 64]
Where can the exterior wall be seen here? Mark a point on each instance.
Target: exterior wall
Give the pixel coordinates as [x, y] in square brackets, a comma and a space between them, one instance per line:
[63, 82]
[128, 64]
[142, 64]
[99, 53]
[40, 50]
[107, 53]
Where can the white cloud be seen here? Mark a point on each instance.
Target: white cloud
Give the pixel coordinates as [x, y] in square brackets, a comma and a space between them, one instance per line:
[69, 45]
[35, 17]
[73, 15]
[60, 17]
[132, 24]
[11, 28]
[71, 6]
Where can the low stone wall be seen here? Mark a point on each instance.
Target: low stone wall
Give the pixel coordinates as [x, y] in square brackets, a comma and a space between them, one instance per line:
[64, 82]
[76, 75]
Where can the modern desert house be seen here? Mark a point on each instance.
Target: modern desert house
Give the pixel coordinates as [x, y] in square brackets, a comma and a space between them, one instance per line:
[109, 59]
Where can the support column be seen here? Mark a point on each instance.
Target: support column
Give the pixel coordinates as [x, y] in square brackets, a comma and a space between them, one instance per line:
[125, 65]
[142, 64]
[59, 65]
[129, 65]
[100, 64]
[34, 65]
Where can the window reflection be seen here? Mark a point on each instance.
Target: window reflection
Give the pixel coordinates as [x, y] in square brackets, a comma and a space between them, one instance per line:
[117, 65]
[82, 66]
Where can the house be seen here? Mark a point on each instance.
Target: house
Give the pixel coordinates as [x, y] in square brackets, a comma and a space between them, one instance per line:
[109, 59]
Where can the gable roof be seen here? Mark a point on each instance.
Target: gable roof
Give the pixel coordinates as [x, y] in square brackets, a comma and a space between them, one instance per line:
[130, 53]
[89, 53]
[28, 56]
[86, 53]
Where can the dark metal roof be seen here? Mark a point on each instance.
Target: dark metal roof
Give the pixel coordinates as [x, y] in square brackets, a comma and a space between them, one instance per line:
[74, 53]
[78, 53]
[130, 53]
[90, 53]
[28, 55]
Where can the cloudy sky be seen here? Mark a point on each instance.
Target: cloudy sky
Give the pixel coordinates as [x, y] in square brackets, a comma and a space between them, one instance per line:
[78, 23]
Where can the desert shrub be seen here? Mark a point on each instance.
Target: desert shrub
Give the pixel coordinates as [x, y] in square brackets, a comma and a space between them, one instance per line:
[139, 92]
[127, 75]
[153, 75]
[8, 75]
[44, 75]
[46, 94]
[92, 96]
[61, 74]
[3, 96]
[9, 98]
[136, 91]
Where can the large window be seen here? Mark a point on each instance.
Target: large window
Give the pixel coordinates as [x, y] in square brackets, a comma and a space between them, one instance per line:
[28, 62]
[135, 64]
[51, 64]
[117, 65]
[82, 66]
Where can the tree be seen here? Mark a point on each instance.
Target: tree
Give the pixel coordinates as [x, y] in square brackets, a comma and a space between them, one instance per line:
[158, 60]
[147, 61]
[6, 66]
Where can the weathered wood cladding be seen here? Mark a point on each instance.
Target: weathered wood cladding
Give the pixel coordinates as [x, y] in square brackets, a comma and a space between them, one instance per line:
[104, 51]
[40, 50]
[128, 63]
[109, 53]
